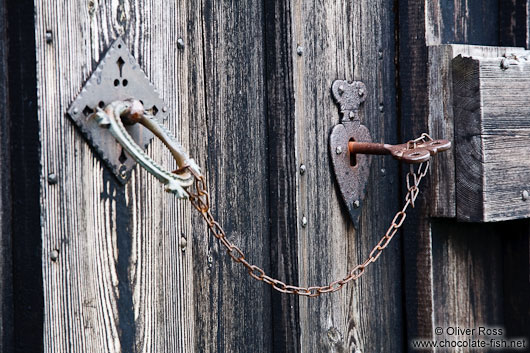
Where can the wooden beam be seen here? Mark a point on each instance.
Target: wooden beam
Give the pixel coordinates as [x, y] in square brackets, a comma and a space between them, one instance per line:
[491, 135]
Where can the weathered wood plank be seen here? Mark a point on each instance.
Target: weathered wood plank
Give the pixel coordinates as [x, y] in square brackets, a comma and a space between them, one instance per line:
[426, 256]
[414, 109]
[514, 21]
[233, 310]
[345, 40]
[115, 278]
[283, 170]
[491, 129]
[441, 117]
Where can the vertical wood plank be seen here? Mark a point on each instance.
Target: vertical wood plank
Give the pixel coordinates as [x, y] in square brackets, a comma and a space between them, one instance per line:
[115, 277]
[233, 311]
[283, 171]
[345, 40]
[514, 22]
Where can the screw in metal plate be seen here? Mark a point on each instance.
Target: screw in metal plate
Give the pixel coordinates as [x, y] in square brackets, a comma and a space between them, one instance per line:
[352, 115]
[341, 89]
[338, 150]
[299, 50]
[183, 243]
[54, 255]
[76, 110]
[180, 43]
[302, 169]
[361, 92]
[52, 179]
[524, 195]
[164, 108]
[304, 221]
[356, 204]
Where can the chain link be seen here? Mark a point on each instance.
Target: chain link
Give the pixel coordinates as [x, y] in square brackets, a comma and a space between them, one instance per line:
[200, 200]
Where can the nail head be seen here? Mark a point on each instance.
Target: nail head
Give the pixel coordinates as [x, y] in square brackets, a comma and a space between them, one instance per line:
[524, 195]
[302, 169]
[304, 221]
[300, 50]
[52, 178]
[180, 43]
[54, 255]
[356, 204]
[338, 150]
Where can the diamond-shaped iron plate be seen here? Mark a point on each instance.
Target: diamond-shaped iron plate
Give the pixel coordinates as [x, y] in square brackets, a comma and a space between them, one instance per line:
[117, 77]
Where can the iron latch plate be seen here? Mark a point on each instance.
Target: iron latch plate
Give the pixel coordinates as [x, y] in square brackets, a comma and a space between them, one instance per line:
[118, 76]
[351, 173]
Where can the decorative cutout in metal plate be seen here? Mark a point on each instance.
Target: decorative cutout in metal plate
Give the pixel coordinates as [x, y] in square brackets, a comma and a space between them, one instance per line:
[351, 171]
[117, 77]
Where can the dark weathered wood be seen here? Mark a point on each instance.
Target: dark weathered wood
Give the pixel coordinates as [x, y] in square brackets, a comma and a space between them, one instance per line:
[233, 311]
[283, 171]
[492, 131]
[467, 275]
[6, 285]
[25, 178]
[414, 109]
[514, 19]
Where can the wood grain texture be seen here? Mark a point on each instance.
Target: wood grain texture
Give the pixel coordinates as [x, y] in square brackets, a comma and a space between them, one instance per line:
[120, 282]
[283, 170]
[354, 41]
[491, 129]
[414, 110]
[233, 311]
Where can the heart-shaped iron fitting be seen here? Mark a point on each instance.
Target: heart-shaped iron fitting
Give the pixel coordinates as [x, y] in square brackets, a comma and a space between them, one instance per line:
[351, 170]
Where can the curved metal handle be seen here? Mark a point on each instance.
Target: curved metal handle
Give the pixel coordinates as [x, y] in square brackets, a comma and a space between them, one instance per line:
[132, 111]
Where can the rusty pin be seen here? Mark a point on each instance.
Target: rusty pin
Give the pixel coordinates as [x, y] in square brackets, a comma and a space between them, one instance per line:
[420, 152]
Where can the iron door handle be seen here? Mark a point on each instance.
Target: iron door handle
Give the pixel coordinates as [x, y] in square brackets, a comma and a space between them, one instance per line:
[113, 117]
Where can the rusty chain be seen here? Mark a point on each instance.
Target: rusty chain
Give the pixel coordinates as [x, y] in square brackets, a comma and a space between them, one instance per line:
[200, 199]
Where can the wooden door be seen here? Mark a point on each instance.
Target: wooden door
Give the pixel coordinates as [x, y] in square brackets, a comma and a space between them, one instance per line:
[93, 265]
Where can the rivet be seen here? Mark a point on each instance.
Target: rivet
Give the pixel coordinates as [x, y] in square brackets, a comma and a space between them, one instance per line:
[183, 243]
[356, 204]
[49, 37]
[302, 169]
[180, 43]
[361, 92]
[299, 50]
[525, 195]
[52, 178]
[164, 109]
[76, 110]
[304, 221]
[54, 255]
[351, 115]
[341, 89]
[338, 150]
